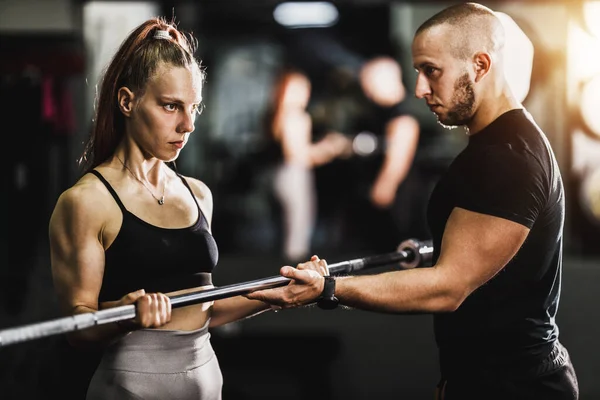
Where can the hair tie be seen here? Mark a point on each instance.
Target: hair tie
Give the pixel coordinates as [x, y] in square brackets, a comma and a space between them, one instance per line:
[159, 34]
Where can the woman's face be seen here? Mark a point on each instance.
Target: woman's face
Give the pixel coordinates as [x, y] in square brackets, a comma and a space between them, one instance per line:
[163, 118]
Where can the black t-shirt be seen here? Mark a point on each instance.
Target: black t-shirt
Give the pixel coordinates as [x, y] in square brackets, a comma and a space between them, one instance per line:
[349, 111]
[507, 170]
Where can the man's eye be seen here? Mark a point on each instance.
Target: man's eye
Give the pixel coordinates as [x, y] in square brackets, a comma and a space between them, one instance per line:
[429, 70]
[171, 107]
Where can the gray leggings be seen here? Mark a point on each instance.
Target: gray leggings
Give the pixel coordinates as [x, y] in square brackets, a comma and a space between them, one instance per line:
[158, 364]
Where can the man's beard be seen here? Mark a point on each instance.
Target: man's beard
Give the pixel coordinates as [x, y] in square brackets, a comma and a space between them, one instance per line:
[463, 102]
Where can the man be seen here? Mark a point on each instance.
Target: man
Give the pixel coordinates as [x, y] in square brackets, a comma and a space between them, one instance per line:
[496, 219]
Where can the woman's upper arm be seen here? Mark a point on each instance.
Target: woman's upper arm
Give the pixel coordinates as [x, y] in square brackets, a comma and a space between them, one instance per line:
[76, 251]
[475, 247]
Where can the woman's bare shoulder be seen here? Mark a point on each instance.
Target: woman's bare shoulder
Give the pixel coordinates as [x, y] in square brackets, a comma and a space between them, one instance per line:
[200, 189]
[204, 196]
[87, 198]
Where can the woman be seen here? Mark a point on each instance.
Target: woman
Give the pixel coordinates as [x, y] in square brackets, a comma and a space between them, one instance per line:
[134, 231]
[290, 128]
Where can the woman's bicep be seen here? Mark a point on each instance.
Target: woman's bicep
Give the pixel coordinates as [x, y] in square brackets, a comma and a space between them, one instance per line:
[76, 254]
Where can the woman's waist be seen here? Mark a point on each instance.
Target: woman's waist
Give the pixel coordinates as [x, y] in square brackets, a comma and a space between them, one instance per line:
[188, 318]
[159, 350]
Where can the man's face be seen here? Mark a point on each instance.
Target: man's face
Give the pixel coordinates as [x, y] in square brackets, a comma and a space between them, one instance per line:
[443, 80]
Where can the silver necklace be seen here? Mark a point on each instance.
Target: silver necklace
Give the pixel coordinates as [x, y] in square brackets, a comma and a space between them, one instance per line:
[160, 201]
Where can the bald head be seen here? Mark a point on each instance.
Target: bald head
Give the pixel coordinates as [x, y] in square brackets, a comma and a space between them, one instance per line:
[469, 28]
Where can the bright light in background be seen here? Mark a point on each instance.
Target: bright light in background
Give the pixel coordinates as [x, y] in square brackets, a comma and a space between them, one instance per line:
[591, 16]
[584, 75]
[105, 25]
[590, 105]
[590, 195]
[584, 54]
[518, 57]
[306, 14]
[364, 144]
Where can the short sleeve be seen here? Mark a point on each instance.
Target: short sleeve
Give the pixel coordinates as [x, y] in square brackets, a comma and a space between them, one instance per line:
[505, 184]
[397, 110]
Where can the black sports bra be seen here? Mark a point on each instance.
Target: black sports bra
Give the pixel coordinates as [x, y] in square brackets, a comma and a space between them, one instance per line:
[144, 256]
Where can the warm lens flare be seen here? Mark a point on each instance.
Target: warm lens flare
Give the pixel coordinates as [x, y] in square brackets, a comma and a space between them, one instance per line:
[590, 104]
[518, 57]
[591, 17]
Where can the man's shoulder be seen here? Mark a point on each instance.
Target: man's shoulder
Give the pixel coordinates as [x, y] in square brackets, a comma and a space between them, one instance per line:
[519, 123]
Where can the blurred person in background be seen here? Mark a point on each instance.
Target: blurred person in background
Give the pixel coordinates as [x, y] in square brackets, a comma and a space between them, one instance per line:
[497, 220]
[132, 230]
[384, 184]
[295, 156]
[379, 110]
[361, 94]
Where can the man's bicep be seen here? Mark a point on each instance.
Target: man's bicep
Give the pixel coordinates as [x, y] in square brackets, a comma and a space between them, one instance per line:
[476, 246]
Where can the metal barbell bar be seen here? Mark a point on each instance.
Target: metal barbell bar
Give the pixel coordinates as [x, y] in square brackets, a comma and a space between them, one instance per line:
[409, 254]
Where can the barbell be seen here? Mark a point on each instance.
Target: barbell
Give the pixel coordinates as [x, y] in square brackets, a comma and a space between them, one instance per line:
[410, 254]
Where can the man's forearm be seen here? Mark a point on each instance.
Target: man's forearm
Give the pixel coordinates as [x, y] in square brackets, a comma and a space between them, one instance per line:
[412, 291]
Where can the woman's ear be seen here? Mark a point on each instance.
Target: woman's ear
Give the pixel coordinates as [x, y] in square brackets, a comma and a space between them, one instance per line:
[125, 98]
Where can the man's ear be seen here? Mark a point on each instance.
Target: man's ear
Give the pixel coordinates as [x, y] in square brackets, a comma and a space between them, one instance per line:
[482, 63]
[125, 98]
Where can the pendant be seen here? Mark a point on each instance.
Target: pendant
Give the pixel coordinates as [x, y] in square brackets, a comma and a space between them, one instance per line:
[161, 201]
